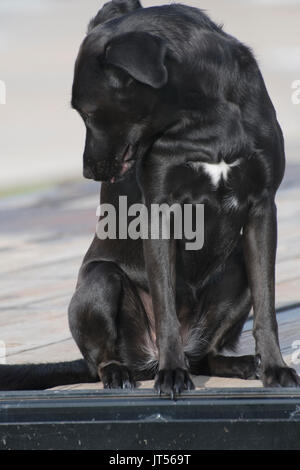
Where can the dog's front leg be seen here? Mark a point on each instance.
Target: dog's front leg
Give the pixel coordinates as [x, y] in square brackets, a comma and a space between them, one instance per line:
[160, 257]
[260, 241]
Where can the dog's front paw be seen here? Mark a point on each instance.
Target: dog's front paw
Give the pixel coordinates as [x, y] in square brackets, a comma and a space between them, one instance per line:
[116, 376]
[173, 382]
[276, 376]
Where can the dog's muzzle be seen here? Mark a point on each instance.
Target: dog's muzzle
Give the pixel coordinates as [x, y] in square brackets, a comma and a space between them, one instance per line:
[111, 170]
[124, 163]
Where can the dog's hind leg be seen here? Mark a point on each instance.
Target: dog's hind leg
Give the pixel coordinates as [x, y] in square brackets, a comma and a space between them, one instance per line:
[225, 309]
[107, 321]
[240, 367]
[93, 313]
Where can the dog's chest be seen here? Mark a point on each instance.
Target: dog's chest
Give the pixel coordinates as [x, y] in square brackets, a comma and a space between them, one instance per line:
[219, 186]
[215, 171]
[219, 181]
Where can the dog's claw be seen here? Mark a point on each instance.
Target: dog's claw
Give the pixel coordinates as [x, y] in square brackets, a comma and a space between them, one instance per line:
[127, 384]
[277, 376]
[173, 382]
[117, 376]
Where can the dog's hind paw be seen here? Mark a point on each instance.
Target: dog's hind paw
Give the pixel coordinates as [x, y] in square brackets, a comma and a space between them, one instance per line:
[277, 376]
[173, 382]
[116, 376]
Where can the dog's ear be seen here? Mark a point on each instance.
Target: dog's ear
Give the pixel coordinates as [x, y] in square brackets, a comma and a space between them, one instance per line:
[141, 55]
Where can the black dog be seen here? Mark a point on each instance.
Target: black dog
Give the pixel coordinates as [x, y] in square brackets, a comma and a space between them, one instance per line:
[176, 111]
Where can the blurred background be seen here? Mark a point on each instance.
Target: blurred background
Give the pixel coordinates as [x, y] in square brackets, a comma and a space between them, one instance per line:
[41, 138]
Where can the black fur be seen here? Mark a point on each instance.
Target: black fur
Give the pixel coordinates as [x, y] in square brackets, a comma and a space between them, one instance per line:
[162, 91]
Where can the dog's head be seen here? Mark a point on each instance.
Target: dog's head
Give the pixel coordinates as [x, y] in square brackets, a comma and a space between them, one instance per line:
[117, 88]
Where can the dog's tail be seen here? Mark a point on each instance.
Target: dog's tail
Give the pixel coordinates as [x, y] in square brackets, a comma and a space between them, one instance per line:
[42, 376]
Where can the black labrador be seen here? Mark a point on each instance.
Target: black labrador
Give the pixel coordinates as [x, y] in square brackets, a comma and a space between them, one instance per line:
[176, 112]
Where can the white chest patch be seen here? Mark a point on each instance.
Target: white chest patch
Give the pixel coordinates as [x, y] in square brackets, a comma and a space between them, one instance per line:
[215, 171]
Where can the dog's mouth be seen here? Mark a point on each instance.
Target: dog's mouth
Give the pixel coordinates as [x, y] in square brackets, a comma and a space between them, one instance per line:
[124, 163]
